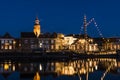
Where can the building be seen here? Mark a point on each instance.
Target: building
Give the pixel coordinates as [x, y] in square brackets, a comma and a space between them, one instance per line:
[7, 43]
[68, 41]
[46, 41]
[82, 45]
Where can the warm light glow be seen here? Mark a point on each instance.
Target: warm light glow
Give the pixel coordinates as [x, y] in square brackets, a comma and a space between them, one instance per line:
[14, 42]
[13, 67]
[68, 70]
[40, 67]
[37, 76]
[6, 66]
[96, 67]
[36, 29]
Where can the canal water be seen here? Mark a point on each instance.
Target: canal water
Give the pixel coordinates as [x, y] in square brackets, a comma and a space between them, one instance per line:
[76, 69]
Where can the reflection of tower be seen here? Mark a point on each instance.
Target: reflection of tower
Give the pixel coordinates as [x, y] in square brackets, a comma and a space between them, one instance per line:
[36, 29]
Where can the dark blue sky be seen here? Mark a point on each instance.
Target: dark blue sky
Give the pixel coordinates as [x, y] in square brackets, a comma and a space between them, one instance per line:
[63, 16]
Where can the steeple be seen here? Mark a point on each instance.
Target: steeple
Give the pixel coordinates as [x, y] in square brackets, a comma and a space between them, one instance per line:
[37, 29]
[37, 21]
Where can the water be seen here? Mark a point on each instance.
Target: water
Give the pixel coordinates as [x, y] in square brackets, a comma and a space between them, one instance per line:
[82, 69]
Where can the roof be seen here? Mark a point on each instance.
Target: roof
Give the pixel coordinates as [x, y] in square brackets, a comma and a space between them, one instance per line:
[28, 35]
[78, 35]
[32, 35]
[7, 35]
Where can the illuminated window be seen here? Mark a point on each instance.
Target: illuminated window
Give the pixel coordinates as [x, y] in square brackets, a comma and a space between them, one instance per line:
[2, 47]
[40, 44]
[10, 41]
[2, 41]
[10, 47]
[6, 46]
[52, 41]
[52, 46]
[19, 44]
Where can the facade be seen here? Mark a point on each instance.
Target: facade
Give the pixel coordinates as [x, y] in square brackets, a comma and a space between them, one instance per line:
[7, 43]
[81, 45]
[46, 41]
[68, 41]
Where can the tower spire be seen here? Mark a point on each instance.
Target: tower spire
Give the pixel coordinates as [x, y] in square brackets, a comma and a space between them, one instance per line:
[37, 29]
[37, 21]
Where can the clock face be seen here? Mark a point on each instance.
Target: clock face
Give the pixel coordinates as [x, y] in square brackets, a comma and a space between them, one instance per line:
[37, 21]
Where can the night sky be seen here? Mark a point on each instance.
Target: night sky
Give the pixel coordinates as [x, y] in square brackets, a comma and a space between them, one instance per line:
[62, 16]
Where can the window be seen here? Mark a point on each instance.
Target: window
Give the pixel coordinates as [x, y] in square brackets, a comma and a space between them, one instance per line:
[10, 41]
[47, 41]
[52, 41]
[2, 41]
[32, 41]
[6, 41]
[6, 46]
[26, 41]
[10, 47]
[2, 47]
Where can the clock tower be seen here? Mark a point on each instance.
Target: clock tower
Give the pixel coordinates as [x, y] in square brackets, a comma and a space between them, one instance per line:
[36, 29]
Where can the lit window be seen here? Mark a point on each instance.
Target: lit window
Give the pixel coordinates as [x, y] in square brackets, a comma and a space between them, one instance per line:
[52, 41]
[19, 44]
[40, 45]
[2, 41]
[10, 47]
[2, 47]
[52, 46]
[10, 41]
[6, 47]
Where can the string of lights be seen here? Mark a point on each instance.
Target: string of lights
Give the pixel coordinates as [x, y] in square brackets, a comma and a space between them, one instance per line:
[95, 24]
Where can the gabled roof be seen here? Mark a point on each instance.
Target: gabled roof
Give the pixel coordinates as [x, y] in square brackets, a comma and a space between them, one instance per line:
[7, 35]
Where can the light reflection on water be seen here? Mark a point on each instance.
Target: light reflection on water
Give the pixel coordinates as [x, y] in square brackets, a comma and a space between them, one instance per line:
[77, 69]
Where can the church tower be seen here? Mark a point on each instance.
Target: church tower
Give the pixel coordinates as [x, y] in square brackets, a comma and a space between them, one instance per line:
[36, 29]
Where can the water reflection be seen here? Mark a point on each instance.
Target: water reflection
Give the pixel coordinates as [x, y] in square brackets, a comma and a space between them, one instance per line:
[72, 67]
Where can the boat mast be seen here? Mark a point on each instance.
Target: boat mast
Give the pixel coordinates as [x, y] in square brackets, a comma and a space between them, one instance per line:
[85, 32]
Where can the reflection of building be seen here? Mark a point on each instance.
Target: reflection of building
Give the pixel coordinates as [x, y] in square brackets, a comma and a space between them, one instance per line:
[7, 43]
[61, 68]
